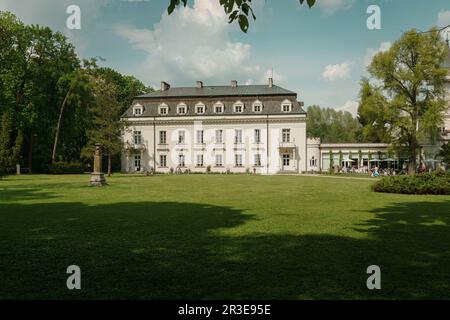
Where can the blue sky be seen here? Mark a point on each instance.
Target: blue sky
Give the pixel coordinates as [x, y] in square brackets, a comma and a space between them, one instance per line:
[321, 53]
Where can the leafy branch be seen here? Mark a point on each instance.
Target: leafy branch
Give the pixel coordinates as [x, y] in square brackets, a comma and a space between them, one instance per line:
[237, 10]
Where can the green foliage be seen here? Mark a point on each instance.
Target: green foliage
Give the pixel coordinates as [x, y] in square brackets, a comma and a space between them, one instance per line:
[332, 126]
[49, 93]
[62, 167]
[444, 153]
[426, 183]
[237, 10]
[403, 102]
[9, 146]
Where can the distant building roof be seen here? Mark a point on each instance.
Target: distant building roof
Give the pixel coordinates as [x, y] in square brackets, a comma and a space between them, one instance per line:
[218, 91]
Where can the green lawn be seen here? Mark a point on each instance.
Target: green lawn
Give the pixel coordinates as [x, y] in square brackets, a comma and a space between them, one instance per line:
[214, 237]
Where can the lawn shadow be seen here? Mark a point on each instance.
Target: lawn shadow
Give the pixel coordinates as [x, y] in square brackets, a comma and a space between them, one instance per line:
[170, 250]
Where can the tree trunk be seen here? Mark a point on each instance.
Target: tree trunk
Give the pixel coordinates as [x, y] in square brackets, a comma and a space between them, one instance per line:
[58, 126]
[30, 154]
[412, 160]
[109, 164]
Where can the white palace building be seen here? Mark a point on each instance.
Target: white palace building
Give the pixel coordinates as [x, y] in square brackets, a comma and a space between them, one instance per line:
[251, 128]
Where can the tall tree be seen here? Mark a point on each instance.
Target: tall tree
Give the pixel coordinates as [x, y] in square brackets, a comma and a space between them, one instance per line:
[10, 147]
[332, 126]
[106, 127]
[407, 83]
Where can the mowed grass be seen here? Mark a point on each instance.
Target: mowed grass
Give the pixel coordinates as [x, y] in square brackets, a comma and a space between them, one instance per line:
[220, 237]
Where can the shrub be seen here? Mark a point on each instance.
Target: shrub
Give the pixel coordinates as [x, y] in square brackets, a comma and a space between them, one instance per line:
[66, 168]
[426, 183]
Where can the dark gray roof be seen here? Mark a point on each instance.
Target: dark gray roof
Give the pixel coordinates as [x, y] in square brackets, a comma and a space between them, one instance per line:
[271, 106]
[218, 91]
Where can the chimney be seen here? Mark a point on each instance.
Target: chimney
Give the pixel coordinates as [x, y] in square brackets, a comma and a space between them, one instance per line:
[164, 86]
[270, 82]
[199, 84]
[234, 83]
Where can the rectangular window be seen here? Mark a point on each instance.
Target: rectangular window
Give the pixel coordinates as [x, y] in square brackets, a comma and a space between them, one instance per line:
[238, 136]
[286, 160]
[219, 136]
[182, 110]
[286, 135]
[286, 108]
[257, 136]
[238, 160]
[238, 108]
[313, 162]
[181, 136]
[199, 160]
[137, 163]
[218, 108]
[181, 160]
[137, 137]
[219, 162]
[163, 161]
[162, 137]
[163, 110]
[199, 136]
[257, 160]
[200, 109]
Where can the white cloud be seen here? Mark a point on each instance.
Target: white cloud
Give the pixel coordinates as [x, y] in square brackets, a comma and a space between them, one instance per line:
[332, 6]
[443, 18]
[192, 44]
[350, 106]
[371, 52]
[337, 71]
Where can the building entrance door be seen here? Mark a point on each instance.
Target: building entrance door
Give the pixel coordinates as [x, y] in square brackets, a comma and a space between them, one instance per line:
[286, 162]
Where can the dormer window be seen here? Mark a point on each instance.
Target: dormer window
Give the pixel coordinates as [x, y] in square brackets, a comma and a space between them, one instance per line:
[238, 107]
[219, 107]
[257, 106]
[138, 110]
[200, 108]
[163, 109]
[182, 109]
[286, 106]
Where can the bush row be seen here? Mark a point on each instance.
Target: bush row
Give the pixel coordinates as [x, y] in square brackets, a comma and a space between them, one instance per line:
[426, 183]
[66, 168]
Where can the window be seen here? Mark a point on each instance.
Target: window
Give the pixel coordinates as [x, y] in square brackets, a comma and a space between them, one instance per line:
[313, 162]
[218, 107]
[286, 135]
[238, 160]
[286, 106]
[163, 109]
[137, 163]
[238, 107]
[138, 110]
[181, 137]
[257, 106]
[162, 137]
[219, 136]
[238, 136]
[163, 161]
[199, 160]
[200, 108]
[286, 160]
[199, 136]
[137, 137]
[257, 160]
[181, 161]
[181, 109]
[219, 162]
[257, 136]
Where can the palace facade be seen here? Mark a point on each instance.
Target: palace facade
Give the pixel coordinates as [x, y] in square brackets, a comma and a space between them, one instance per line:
[251, 128]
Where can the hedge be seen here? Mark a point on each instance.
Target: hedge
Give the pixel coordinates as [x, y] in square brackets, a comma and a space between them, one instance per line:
[426, 183]
[66, 168]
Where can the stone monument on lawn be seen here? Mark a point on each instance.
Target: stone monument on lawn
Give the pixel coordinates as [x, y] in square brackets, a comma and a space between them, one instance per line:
[97, 177]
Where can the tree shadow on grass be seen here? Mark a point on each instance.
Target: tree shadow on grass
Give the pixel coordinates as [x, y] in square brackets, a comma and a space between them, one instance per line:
[172, 250]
